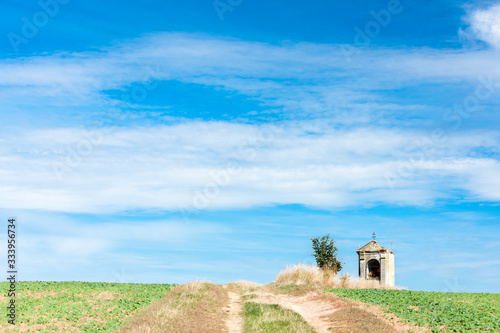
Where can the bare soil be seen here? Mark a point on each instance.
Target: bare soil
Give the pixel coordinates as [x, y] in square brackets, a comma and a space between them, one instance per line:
[234, 321]
[326, 312]
[196, 307]
[206, 307]
[309, 306]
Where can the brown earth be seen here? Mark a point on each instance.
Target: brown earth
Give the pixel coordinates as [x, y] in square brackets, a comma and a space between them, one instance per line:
[326, 312]
[210, 308]
[220, 310]
[193, 307]
[234, 321]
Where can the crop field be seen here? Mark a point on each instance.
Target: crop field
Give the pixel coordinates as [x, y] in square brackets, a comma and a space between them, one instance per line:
[77, 306]
[440, 311]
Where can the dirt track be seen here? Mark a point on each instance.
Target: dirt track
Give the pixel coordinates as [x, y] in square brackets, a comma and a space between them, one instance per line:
[324, 312]
[309, 306]
[234, 321]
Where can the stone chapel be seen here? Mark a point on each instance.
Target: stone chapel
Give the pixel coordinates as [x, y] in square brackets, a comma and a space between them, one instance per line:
[376, 263]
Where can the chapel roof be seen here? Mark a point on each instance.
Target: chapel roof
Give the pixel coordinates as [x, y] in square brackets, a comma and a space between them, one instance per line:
[373, 246]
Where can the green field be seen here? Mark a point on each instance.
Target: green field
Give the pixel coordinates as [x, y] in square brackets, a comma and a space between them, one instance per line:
[441, 311]
[77, 306]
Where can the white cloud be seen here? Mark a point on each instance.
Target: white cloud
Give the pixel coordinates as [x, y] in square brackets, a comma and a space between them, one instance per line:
[301, 78]
[309, 162]
[485, 24]
[169, 167]
[59, 247]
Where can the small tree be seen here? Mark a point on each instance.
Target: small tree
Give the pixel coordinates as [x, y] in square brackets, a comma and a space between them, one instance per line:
[325, 253]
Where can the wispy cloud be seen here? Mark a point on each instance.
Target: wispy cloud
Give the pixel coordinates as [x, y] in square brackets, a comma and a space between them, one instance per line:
[485, 24]
[100, 150]
[301, 78]
[309, 163]
[336, 161]
[56, 246]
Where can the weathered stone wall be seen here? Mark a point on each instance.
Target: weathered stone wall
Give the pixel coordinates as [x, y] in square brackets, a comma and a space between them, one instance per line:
[384, 257]
[387, 269]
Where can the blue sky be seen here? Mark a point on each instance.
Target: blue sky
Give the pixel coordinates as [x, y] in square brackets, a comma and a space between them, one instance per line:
[166, 142]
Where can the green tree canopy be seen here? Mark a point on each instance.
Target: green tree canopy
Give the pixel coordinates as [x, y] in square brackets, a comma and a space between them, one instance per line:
[325, 253]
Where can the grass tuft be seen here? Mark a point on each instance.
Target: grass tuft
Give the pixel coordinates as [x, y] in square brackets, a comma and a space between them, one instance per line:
[271, 318]
[355, 320]
[311, 275]
[193, 307]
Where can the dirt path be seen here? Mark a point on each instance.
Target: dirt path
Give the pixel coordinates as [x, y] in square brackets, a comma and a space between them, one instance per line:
[324, 312]
[234, 321]
[309, 306]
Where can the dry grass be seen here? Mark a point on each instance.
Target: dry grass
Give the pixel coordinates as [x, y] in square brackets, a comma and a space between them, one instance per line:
[194, 307]
[78, 306]
[328, 312]
[243, 286]
[355, 320]
[313, 276]
[292, 289]
[260, 318]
